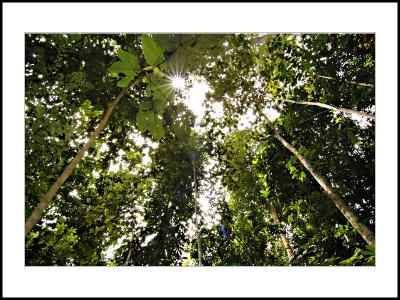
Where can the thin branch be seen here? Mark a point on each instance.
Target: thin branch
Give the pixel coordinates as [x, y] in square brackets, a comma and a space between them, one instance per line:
[346, 81]
[344, 110]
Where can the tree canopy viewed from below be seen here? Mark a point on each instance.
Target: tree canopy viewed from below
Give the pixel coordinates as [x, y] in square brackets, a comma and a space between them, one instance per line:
[199, 149]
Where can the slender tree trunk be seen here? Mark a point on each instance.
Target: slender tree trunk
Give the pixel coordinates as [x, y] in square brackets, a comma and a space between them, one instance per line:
[45, 200]
[197, 220]
[344, 110]
[129, 255]
[198, 243]
[347, 81]
[283, 236]
[362, 229]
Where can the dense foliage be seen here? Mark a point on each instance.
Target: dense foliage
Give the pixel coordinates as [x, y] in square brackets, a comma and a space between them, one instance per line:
[134, 197]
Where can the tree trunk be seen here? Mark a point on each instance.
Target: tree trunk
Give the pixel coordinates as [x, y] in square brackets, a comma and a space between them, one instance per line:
[283, 236]
[129, 255]
[199, 244]
[347, 81]
[344, 110]
[362, 229]
[45, 200]
[195, 212]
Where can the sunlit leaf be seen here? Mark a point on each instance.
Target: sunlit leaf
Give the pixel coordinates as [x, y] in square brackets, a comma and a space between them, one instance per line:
[127, 66]
[152, 51]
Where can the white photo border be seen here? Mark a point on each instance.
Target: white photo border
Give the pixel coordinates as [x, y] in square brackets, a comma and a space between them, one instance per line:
[20, 18]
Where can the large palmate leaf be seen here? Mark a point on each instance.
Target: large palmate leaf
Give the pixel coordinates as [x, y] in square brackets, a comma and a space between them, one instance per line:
[156, 128]
[181, 129]
[187, 51]
[126, 68]
[148, 120]
[152, 51]
[146, 105]
[143, 119]
[160, 88]
[159, 105]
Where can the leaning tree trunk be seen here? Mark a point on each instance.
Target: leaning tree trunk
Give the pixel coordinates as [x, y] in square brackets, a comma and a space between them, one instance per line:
[283, 236]
[362, 229]
[344, 110]
[45, 200]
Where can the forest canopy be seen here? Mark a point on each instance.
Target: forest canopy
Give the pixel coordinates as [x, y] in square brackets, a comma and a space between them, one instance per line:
[199, 149]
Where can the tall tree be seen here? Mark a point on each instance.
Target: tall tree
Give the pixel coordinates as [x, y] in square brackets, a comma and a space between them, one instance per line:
[362, 229]
[45, 200]
[131, 195]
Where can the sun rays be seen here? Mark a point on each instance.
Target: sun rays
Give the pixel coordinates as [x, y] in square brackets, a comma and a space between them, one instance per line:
[178, 83]
[188, 89]
[177, 79]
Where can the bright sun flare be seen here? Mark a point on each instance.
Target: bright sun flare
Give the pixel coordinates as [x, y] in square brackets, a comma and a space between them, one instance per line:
[192, 96]
[178, 82]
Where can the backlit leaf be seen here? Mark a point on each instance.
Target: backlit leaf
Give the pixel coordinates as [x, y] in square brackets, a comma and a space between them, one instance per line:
[152, 51]
[127, 66]
[143, 118]
[156, 128]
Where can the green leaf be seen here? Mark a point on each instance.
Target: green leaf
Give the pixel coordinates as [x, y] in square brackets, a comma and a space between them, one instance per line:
[159, 105]
[160, 88]
[180, 129]
[128, 66]
[146, 105]
[152, 51]
[369, 250]
[157, 72]
[339, 119]
[124, 82]
[292, 169]
[143, 119]
[128, 58]
[370, 247]
[167, 41]
[75, 37]
[352, 137]
[148, 120]
[156, 128]
[118, 186]
[145, 79]
[40, 111]
[302, 176]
